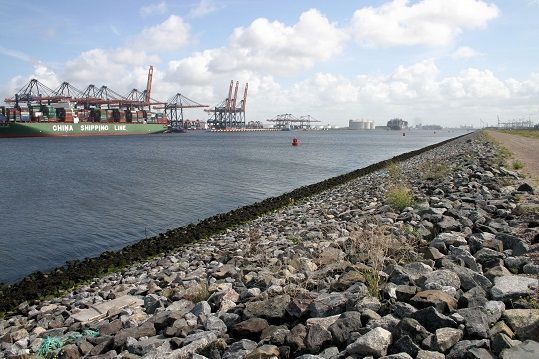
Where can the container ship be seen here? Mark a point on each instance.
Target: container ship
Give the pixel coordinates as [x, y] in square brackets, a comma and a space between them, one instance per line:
[397, 124]
[38, 111]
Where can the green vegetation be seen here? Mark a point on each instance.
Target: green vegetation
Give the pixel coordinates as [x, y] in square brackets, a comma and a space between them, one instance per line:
[399, 197]
[394, 171]
[517, 165]
[435, 171]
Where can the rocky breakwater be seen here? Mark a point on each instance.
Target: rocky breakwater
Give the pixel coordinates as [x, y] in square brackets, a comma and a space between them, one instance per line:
[432, 257]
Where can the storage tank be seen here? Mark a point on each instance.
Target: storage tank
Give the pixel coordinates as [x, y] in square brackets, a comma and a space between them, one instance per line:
[361, 125]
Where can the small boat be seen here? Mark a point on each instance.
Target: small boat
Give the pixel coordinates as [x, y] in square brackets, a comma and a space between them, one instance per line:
[295, 142]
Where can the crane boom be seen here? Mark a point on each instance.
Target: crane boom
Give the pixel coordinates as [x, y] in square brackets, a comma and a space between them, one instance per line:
[244, 97]
[149, 84]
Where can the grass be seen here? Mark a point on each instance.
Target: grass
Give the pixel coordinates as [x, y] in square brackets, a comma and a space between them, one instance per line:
[517, 165]
[399, 197]
[374, 246]
[435, 171]
[524, 133]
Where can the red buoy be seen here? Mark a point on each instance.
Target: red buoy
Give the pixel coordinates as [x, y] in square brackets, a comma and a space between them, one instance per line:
[295, 142]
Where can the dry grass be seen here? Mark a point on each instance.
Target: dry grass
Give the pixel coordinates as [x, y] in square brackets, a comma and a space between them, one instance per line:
[525, 133]
[374, 246]
[517, 165]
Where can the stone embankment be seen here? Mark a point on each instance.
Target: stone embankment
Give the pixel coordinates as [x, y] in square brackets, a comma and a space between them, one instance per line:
[341, 274]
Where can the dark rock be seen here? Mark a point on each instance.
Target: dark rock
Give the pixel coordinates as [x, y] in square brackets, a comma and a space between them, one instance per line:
[69, 351]
[152, 302]
[341, 329]
[271, 309]
[460, 349]
[499, 342]
[146, 329]
[526, 350]
[525, 188]
[103, 347]
[403, 310]
[239, 349]
[347, 279]
[317, 338]
[470, 279]
[431, 319]
[299, 305]
[166, 319]
[479, 353]
[411, 327]
[475, 297]
[250, 328]
[84, 347]
[476, 322]
[405, 292]
[404, 344]
[296, 338]
[111, 328]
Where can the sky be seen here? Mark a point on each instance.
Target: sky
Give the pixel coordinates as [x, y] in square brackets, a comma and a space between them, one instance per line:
[452, 63]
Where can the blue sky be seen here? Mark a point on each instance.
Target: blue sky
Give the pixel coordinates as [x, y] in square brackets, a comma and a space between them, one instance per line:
[429, 61]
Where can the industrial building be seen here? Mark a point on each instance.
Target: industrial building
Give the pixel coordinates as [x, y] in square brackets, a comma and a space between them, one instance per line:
[361, 125]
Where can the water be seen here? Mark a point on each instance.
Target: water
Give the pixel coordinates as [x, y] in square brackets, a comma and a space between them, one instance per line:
[71, 198]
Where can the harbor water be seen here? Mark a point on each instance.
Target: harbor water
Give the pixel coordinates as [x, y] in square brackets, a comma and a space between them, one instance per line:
[71, 198]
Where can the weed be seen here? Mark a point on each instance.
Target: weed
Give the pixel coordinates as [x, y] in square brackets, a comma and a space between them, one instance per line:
[399, 197]
[394, 171]
[517, 165]
[435, 171]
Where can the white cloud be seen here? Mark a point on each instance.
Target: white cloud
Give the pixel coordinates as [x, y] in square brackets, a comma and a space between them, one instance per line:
[153, 9]
[16, 54]
[465, 52]
[169, 35]
[203, 8]
[269, 47]
[427, 22]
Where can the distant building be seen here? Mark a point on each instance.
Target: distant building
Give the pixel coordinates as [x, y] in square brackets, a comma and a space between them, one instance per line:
[397, 124]
[432, 127]
[361, 125]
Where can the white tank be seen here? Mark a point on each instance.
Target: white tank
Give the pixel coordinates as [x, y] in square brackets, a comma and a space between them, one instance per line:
[361, 125]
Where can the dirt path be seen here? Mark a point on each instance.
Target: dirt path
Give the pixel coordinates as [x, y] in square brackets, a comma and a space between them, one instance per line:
[524, 149]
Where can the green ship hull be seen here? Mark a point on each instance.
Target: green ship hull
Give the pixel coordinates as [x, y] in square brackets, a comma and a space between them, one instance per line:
[60, 129]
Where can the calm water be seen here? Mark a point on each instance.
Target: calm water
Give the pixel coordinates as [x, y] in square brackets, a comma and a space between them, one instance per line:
[68, 198]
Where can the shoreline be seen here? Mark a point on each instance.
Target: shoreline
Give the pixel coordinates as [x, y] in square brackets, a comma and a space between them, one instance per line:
[445, 269]
[42, 284]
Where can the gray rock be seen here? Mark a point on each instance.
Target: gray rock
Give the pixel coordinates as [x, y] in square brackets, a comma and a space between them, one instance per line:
[460, 349]
[404, 310]
[411, 327]
[494, 310]
[373, 343]
[329, 353]
[216, 325]
[524, 322]
[512, 287]
[239, 349]
[201, 308]
[194, 343]
[328, 304]
[527, 350]
[476, 322]
[469, 278]
[265, 351]
[439, 279]
[425, 354]
[445, 338]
